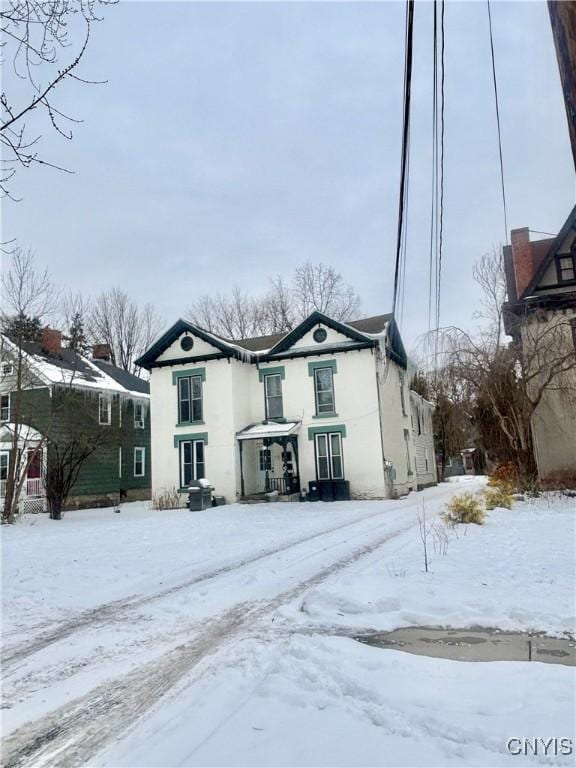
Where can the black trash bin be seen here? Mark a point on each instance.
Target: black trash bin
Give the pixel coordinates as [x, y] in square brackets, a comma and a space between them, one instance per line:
[199, 496]
[313, 491]
[326, 488]
[341, 490]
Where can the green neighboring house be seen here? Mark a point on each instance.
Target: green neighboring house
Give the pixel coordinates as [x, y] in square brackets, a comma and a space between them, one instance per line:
[64, 394]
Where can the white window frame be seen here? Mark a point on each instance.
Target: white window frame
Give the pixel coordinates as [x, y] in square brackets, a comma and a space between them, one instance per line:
[139, 423]
[194, 455]
[326, 437]
[190, 399]
[7, 369]
[7, 455]
[142, 450]
[4, 408]
[102, 398]
[266, 465]
[317, 390]
[268, 397]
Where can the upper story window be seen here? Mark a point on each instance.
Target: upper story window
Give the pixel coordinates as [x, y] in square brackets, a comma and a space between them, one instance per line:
[104, 409]
[7, 369]
[567, 267]
[324, 390]
[139, 415]
[402, 395]
[4, 407]
[273, 396]
[189, 399]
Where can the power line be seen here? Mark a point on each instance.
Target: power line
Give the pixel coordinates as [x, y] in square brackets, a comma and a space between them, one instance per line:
[498, 122]
[431, 264]
[441, 214]
[405, 137]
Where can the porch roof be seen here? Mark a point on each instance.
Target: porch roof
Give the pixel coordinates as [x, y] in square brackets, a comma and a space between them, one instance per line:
[268, 429]
[26, 434]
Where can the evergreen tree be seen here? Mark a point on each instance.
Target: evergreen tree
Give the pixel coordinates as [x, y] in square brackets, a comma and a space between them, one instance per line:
[20, 328]
[76, 337]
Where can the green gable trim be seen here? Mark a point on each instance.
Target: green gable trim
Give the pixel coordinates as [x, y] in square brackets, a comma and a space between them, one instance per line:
[188, 372]
[190, 436]
[275, 370]
[312, 431]
[324, 364]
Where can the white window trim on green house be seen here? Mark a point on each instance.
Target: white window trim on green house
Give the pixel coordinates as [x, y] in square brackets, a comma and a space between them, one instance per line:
[4, 461]
[138, 415]
[140, 459]
[4, 407]
[107, 401]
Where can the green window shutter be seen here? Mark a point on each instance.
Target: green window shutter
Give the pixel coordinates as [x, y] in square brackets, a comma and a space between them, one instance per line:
[312, 431]
[278, 369]
[188, 372]
[191, 436]
[325, 364]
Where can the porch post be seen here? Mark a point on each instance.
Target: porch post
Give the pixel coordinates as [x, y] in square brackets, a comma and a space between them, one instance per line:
[241, 469]
[294, 441]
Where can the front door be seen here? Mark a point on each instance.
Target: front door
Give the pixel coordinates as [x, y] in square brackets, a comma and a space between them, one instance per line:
[34, 474]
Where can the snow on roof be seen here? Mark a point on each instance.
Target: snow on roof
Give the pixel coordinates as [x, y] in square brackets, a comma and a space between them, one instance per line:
[69, 368]
[270, 429]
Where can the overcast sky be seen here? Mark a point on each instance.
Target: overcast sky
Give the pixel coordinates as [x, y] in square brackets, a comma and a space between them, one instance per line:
[236, 140]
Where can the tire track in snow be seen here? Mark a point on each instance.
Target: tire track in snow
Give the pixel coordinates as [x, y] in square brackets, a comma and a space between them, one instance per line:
[110, 612]
[72, 734]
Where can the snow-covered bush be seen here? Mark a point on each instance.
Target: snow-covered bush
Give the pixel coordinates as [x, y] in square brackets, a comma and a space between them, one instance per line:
[169, 498]
[498, 497]
[463, 509]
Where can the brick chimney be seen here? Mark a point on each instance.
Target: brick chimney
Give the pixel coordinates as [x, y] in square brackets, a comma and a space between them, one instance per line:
[101, 352]
[522, 258]
[51, 341]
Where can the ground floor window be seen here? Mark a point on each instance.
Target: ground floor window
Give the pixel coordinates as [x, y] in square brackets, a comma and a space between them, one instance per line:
[192, 465]
[4, 465]
[139, 462]
[265, 460]
[329, 465]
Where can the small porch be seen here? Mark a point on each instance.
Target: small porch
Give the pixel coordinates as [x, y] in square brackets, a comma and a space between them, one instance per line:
[31, 466]
[269, 460]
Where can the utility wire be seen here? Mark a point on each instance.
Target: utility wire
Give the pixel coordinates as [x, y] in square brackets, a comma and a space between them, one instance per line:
[498, 122]
[405, 138]
[441, 214]
[431, 261]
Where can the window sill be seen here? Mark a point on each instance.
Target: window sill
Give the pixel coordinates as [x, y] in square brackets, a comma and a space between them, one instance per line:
[325, 416]
[189, 423]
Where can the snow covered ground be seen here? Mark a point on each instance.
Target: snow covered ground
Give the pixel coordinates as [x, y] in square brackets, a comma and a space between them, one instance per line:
[176, 638]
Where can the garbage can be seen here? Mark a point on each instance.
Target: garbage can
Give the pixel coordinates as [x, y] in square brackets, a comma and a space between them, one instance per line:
[313, 491]
[199, 496]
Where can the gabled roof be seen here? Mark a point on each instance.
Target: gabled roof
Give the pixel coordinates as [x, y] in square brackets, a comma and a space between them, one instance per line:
[174, 332]
[69, 368]
[550, 255]
[306, 325]
[365, 332]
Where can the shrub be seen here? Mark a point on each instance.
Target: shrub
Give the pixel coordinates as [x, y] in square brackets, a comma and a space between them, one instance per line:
[506, 477]
[169, 498]
[463, 509]
[498, 497]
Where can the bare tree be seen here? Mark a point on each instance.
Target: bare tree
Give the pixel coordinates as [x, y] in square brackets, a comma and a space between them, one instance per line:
[320, 287]
[128, 329]
[28, 296]
[239, 315]
[35, 34]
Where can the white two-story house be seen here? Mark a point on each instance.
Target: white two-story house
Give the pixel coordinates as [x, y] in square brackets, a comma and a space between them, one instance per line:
[324, 408]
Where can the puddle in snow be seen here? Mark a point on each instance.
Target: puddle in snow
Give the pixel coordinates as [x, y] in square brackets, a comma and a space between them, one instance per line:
[475, 644]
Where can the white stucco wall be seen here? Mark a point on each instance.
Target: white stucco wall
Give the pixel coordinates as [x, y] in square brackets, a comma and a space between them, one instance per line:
[391, 378]
[233, 398]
